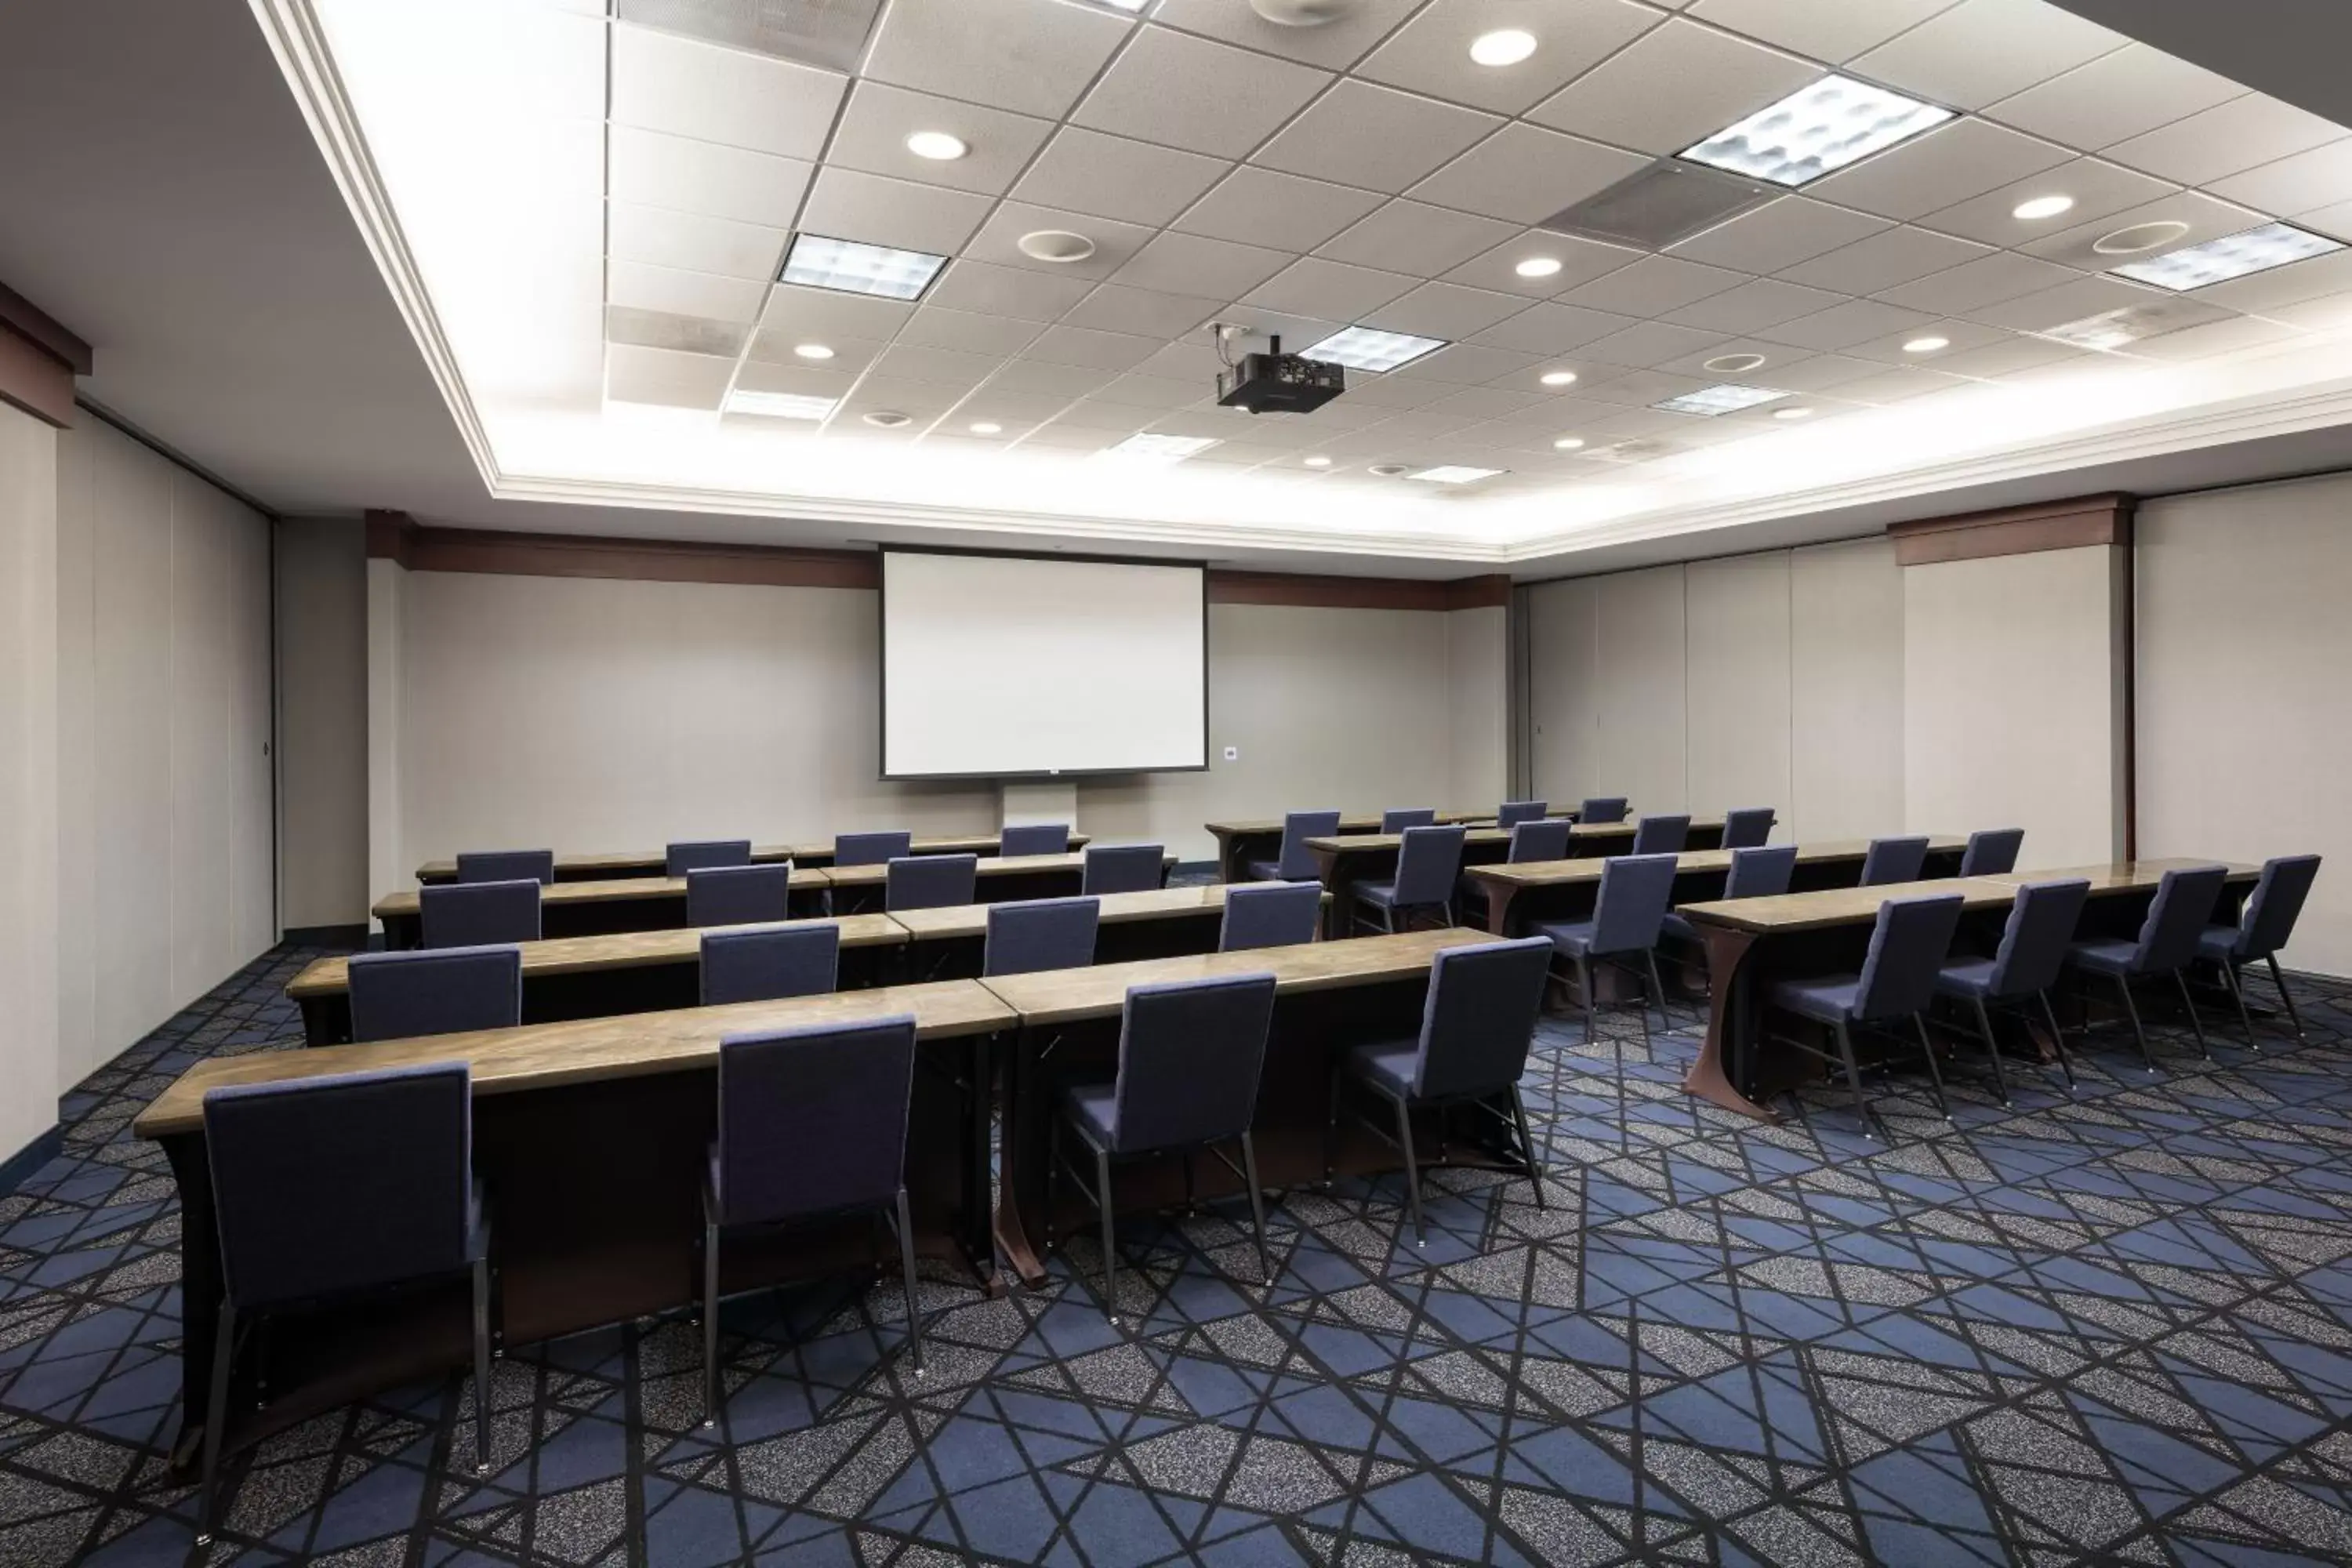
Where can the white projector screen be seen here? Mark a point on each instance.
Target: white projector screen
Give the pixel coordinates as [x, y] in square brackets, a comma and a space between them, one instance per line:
[999, 664]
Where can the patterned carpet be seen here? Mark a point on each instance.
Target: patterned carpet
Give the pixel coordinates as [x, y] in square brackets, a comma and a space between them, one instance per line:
[2118, 1330]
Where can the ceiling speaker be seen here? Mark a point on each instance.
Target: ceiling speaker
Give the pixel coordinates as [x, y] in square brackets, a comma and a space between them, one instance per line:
[828, 33]
[1303, 13]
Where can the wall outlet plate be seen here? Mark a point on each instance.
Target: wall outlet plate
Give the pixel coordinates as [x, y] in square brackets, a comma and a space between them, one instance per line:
[1233, 753]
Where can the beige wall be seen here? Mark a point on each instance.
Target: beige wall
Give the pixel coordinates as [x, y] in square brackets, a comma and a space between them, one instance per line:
[1478, 706]
[2244, 697]
[323, 692]
[1846, 690]
[30, 1074]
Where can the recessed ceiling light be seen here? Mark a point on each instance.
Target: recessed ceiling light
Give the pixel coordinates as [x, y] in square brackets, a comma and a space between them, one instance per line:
[1926, 345]
[1319, 462]
[1366, 348]
[986, 427]
[779, 404]
[1386, 470]
[889, 419]
[1285, 13]
[2232, 256]
[1711, 401]
[813, 350]
[1506, 47]
[1792, 414]
[1056, 245]
[850, 267]
[936, 145]
[1126, 5]
[1814, 130]
[1559, 378]
[1537, 267]
[2040, 207]
[1455, 474]
[2139, 236]
[1733, 364]
[1169, 449]
[1568, 443]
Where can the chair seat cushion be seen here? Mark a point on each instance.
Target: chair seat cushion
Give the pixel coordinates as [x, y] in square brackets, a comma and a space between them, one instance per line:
[1092, 1108]
[1828, 997]
[1676, 926]
[1573, 938]
[2218, 944]
[2106, 955]
[1387, 1063]
[1966, 977]
[1265, 871]
[1381, 895]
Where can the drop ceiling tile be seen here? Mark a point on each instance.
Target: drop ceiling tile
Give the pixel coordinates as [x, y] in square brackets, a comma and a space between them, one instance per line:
[924, 401]
[988, 290]
[1466, 365]
[999, 240]
[1638, 391]
[2206, 218]
[1900, 386]
[1525, 175]
[1831, 30]
[1027, 56]
[1095, 414]
[1646, 345]
[2097, 187]
[1150, 391]
[1189, 263]
[681, 334]
[1115, 308]
[1180, 91]
[1972, 285]
[668, 379]
[1780, 235]
[795, 377]
[874, 128]
[1191, 362]
[1589, 374]
[2115, 96]
[1482, 402]
[1087, 172]
[2229, 139]
[1886, 258]
[2067, 302]
[1445, 310]
[2011, 356]
[1820, 373]
[636, 286]
[821, 312]
[692, 243]
[1063, 435]
[1334, 45]
[1959, 159]
[1773, 354]
[945, 367]
[653, 169]
[1581, 261]
[1331, 289]
[2312, 279]
[2304, 183]
[1408, 237]
[1981, 51]
[1759, 303]
[1257, 325]
[688, 87]
[1097, 350]
[1397, 392]
[2215, 339]
[1373, 137]
[933, 327]
[1962, 336]
[2335, 222]
[1431, 54]
[1654, 286]
[1043, 377]
[846, 205]
[1842, 326]
[1674, 88]
[1284, 212]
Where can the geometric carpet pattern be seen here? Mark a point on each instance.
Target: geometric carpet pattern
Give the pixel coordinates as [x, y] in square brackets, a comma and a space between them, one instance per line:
[2111, 1329]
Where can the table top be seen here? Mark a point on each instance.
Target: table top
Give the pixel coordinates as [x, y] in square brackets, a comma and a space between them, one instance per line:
[541, 1055]
[2125, 875]
[637, 859]
[990, 866]
[1370, 842]
[1557, 873]
[619, 889]
[1351, 822]
[1117, 909]
[1859, 906]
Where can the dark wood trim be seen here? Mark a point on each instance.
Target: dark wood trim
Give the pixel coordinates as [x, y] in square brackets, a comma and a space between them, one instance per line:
[394, 536]
[1488, 593]
[29, 320]
[391, 536]
[2015, 530]
[1309, 591]
[34, 380]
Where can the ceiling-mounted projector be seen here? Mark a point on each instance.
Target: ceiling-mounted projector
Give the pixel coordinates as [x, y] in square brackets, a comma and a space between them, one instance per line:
[1277, 383]
[1302, 13]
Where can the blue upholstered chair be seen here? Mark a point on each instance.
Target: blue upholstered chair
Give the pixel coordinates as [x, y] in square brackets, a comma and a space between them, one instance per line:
[1189, 1056]
[1041, 933]
[1762, 871]
[871, 848]
[2033, 941]
[1511, 812]
[437, 991]
[803, 959]
[1628, 913]
[1397, 819]
[478, 914]
[1034, 838]
[702, 854]
[2166, 944]
[812, 1122]
[929, 881]
[1276, 914]
[1538, 839]
[737, 895]
[507, 866]
[1602, 808]
[1428, 864]
[1124, 868]
[1475, 1031]
[2263, 928]
[1894, 860]
[1660, 835]
[1991, 852]
[328, 1189]
[1298, 863]
[1907, 947]
[1746, 826]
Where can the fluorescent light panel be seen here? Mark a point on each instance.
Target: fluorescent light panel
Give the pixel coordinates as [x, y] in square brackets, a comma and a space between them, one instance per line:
[1169, 447]
[1367, 348]
[1711, 401]
[779, 404]
[1454, 474]
[850, 267]
[2232, 255]
[1816, 130]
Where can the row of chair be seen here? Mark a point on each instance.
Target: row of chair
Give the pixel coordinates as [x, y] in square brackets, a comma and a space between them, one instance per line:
[686, 856]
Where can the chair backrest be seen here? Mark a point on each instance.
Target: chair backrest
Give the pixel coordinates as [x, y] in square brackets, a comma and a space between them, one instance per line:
[870, 849]
[1602, 808]
[1762, 871]
[1992, 852]
[737, 895]
[1480, 1017]
[813, 1119]
[929, 881]
[2177, 917]
[1893, 860]
[1660, 835]
[1397, 819]
[439, 991]
[2275, 903]
[774, 962]
[1124, 869]
[1907, 948]
[507, 866]
[327, 1185]
[1298, 863]
[478, 914]
[1270, 914]
[1511, 812]
[1428, 864]
[1189, 1054]
[700, 854]
[1746, 826]
[1636, 891]
[1040, 933]
[1034, 838]
[2032, 950]
[1544, 838]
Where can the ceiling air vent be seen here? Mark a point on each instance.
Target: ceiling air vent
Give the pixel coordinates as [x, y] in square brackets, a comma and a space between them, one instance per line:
[828, 33]
[1667, 202]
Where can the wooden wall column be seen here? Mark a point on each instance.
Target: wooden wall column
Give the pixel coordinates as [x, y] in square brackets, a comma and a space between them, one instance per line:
[38, 361]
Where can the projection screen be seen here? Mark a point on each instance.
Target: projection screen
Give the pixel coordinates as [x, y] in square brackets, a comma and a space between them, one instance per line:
[998, 666]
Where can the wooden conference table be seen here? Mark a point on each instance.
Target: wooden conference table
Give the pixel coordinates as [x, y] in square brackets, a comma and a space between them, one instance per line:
[1348, 858]
[1518, 897]
[1752, 942]
[653, 862]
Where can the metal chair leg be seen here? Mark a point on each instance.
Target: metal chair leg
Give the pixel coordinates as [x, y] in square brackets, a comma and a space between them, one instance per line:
[1853, 1077]
[2189, 1003]
[1331, 1129]
[1584, 990]
[2123, 984]
[906, 1281]
[1527, 1146]
[1412, 1173]
[1658, 989]
[1053, 1174]
[482, 1366]
[2057, 1039]
[2279, 979]
[1935, 1073]
[216, 1420]
[709, 1318]
[1191, 1204]
[1110, 1257]
[1257, 1206]
[2237, 984]
[1993, 1048]
[1647, 1048]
